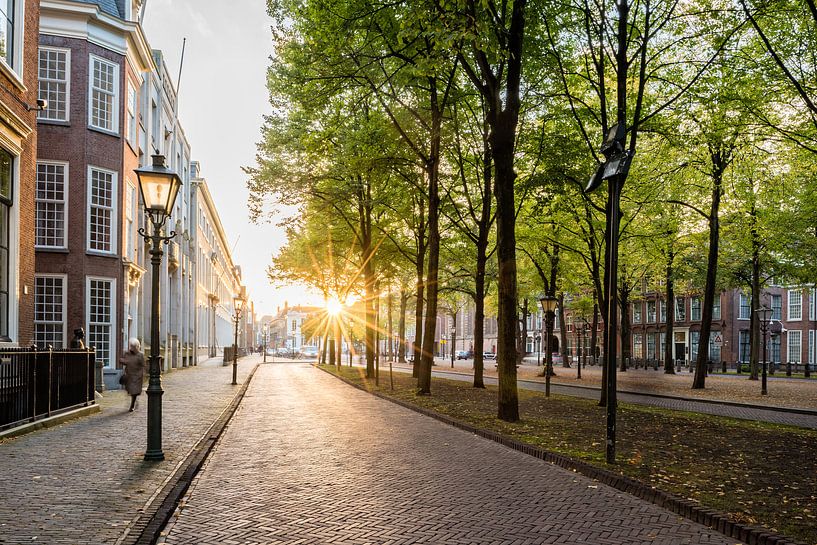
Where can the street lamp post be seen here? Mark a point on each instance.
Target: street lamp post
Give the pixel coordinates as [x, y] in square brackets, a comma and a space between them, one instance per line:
[548, 303]
[158, 186]
[538, 339]
[238, 305]
[453, 342]
[765, 315]
[265, 330]
[578, 323]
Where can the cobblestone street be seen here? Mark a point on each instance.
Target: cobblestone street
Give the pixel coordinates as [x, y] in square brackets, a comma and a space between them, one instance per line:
[84, 482]
[309, 459]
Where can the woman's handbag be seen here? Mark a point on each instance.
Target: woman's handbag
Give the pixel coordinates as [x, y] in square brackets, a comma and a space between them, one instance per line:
[123, 379]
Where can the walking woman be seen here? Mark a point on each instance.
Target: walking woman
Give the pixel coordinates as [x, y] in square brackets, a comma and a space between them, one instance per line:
[134, 363]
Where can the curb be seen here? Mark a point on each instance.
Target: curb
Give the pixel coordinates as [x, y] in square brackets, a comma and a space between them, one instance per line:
[147, 528]
[50, 422]
[720, 522]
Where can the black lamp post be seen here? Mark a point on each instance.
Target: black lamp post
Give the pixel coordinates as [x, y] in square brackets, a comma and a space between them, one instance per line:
[265, 330]
[578, 323]
[453, 342]
[765, 315]
[158, 186]
[538, 339]
[548, 303]
[614, 169]
[350, 340]
[238, 305]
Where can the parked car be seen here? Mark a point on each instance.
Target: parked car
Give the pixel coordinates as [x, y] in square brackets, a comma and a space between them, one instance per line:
[309, 351]
[488, 356]
[463, 354]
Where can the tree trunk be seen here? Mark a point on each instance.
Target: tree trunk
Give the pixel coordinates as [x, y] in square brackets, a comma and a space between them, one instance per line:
[390, 309]
[563, 333]
[420, 295]
[594, 335]
[479, 318]
[669, 340]
[754, 324]
[626, 341]
[522, 345]
[401, 327]
[719, 166]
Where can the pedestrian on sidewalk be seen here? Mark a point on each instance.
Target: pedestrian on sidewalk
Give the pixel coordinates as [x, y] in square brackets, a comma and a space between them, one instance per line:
[133, 362]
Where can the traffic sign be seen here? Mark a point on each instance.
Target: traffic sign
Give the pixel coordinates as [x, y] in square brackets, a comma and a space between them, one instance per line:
[718, 340]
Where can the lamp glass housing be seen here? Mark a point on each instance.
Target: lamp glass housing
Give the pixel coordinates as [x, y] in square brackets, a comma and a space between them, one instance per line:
[159, 187]
[238, 304]
[765, 314]
[548, 303]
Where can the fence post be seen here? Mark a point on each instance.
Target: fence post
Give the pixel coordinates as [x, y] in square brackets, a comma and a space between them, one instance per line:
[33, 365]
[88, 375]
[50, 378]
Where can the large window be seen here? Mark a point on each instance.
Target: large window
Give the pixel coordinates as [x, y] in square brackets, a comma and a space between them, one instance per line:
[716, 308]
[745, 311]
[100, 300]
[650, 346]
[103, 95]
[745, 346]
[11, 30]
[101, 195]
[6, 199]
[49, 311]
[130, 221]
[650, 312]
[54, 83]
[662, 312]
[130, 117]
[795, 309]
[51, 200]
[638, 346]
[774, 349]
[637, 313]
[680, 309]
[695, 309]
[714, 351]
[776, 302]
[812, 347]
[794, 346]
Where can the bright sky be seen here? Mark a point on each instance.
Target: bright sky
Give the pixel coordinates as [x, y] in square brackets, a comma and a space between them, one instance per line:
[222, 100]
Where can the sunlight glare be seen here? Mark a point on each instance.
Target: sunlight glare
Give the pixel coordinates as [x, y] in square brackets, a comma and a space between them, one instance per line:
[334, 307]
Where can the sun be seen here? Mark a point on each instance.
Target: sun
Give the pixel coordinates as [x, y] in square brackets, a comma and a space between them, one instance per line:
[334, 307]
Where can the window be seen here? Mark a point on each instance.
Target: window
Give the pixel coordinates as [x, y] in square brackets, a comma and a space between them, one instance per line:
[130, 221]
[294, 325]
[662, 311]
[794, 351]
[795, 310]
[100, 302]
[11, 33]
[812, 304]
[6, 196]
[103, 95]
[650, 312]
[812, 347]
[777, 307]
[745, 346]
[774, 349]
[130, 117]
[716, 308]
[50, 199]
[638, 346]
[49, 311]
[695, 309]
[745, 310]
[694, 341]
[101, 194]
[650, 346]
[714, 351]
[636, 313]
[680, 309]
[54, 83]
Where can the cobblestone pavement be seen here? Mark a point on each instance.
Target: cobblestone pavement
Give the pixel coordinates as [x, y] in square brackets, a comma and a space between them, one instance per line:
[309, 459]
[84, 481]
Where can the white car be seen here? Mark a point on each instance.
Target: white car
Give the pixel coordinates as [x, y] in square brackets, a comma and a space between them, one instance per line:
[488, 356]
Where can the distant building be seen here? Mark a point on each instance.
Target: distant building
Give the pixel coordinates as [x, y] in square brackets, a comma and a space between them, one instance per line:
[286, 328]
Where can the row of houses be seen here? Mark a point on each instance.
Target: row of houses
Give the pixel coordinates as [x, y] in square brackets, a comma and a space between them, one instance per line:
[85, 102]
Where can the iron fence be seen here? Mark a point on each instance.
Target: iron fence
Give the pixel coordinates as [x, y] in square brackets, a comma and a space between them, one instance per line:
[36, 384]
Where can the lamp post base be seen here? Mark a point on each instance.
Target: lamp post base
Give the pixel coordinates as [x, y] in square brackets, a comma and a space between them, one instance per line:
[154, 456]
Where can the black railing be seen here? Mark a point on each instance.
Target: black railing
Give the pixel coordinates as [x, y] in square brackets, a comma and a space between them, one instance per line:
[36, 384]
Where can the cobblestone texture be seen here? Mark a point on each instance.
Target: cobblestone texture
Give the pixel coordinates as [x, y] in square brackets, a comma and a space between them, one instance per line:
[308, 459]
[85, 481]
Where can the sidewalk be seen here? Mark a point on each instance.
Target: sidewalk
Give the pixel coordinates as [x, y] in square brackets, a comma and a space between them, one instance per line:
[85, 481]
[309, 459]
[631, 390]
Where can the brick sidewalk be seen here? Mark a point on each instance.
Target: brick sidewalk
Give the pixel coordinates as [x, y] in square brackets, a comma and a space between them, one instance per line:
[309, 459]
[85, 481]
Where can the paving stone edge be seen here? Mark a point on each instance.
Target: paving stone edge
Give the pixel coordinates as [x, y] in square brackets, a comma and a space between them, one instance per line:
[720, 522]
[55, 420]
[146, 529]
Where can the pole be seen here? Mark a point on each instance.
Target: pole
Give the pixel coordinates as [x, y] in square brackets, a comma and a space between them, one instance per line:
[763, 390]
[549, 315]
[235, 347]
[265, 347]
[580, 342]
[611, 320]
[154, 391]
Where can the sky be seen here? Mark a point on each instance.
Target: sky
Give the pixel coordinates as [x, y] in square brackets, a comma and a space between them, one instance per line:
[222, 101]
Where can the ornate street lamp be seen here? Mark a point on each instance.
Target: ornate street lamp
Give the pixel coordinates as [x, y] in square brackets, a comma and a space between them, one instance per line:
[453, 342]
[158, 186]
[238, 305]
[265, 330]
[548, 303]
[578, 324]
[765, 316]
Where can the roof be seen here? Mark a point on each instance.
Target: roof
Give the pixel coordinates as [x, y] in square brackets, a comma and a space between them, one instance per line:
[111, 7]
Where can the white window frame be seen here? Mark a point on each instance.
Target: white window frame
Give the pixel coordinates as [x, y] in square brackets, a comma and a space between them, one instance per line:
[131, 123]
[794, 316]
[692, 306]
[114, 210]
[131, 223]
[41, 114]
[812, 347]
[792, 334]
[747, 306]
[637, 317]
[66, 182]
[679, 308]
[772, 299]
[114, 129]
[64, 278]
[812, 304]
[16, 70]
[716, 304]
[113, 335]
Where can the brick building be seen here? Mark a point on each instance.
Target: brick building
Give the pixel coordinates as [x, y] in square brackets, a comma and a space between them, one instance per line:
[18, 152]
